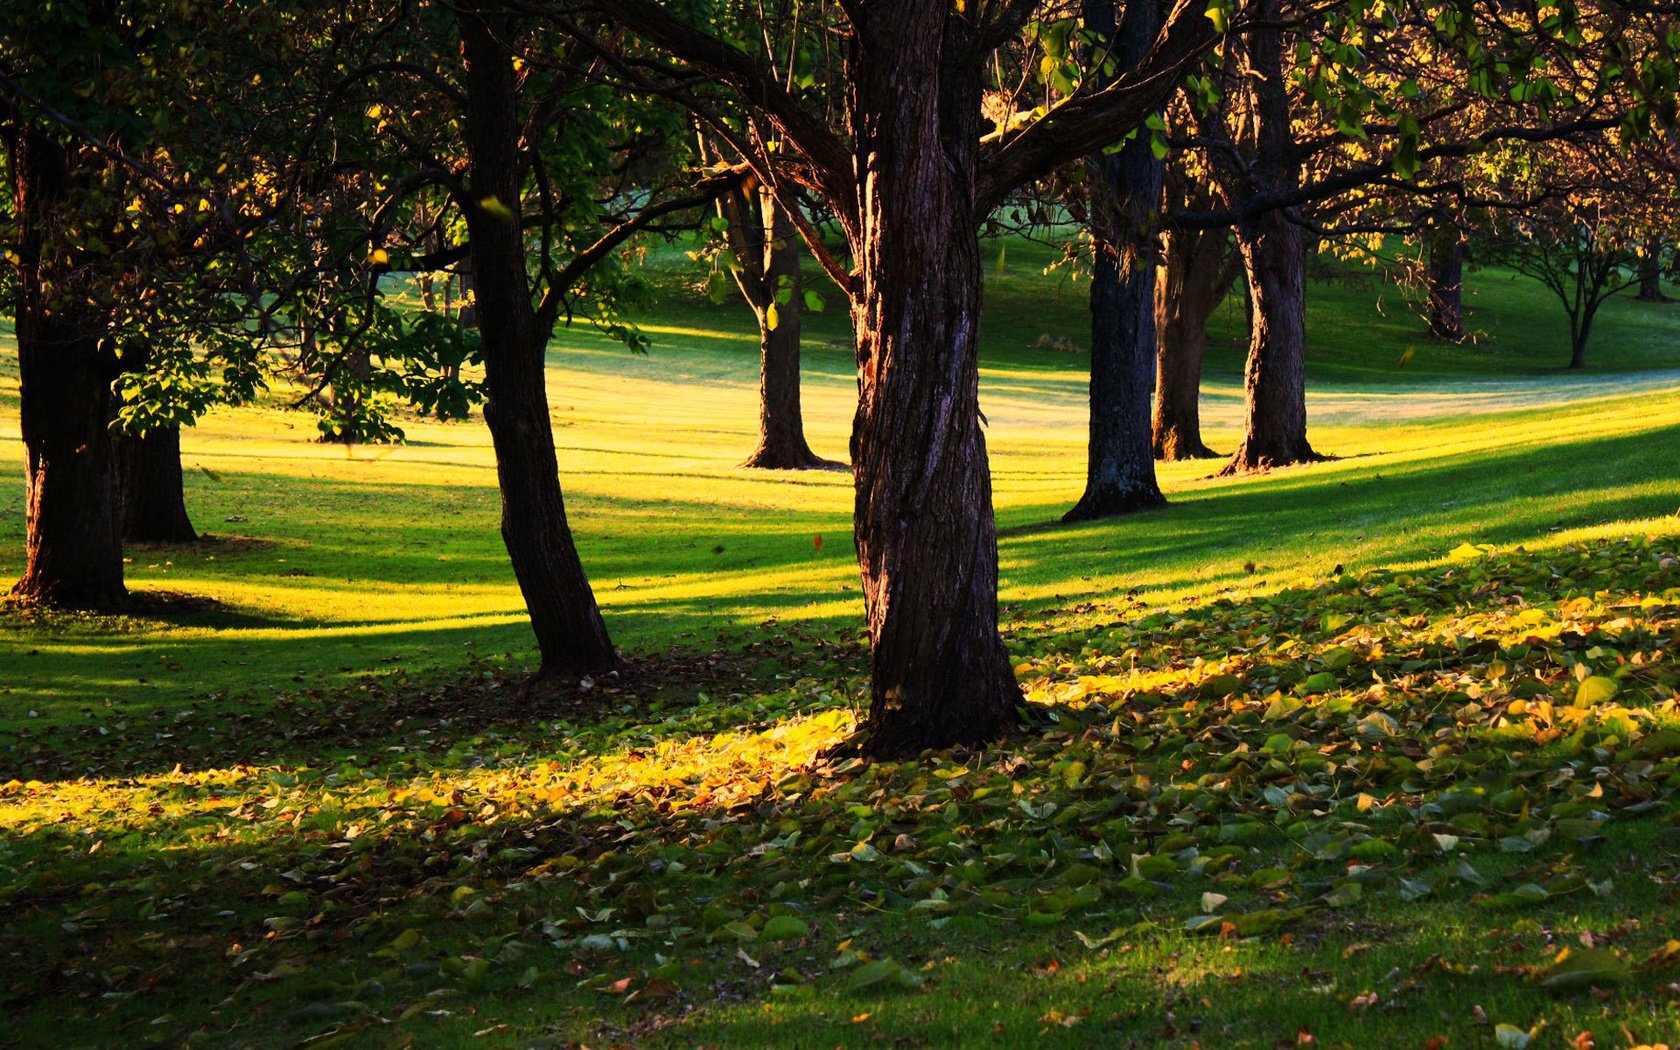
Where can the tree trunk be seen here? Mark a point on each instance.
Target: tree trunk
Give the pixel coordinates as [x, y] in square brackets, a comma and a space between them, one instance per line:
[1275, 378]
[1274, 263]
[1579, 333]
[1446, 285]
[73, 536]
[1125, 197]
[154, 506]
[765, 243]
[467, 315]
[923, 522]
[570, 633]
[1195, 276]
[1650, 272]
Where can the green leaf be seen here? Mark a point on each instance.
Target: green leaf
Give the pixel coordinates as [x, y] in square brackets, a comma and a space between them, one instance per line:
[1204, 923]
[1527, 893]
[1585, 968]
[1594, 690]
[888, 971]
[1217, 14]
[783, 928]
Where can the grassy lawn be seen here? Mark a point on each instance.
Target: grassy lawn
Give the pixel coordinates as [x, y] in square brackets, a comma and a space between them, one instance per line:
[1340, 755]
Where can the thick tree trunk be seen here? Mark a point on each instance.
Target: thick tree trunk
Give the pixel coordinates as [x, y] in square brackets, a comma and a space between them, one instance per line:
[1274, 263]
[1195, 277]
[1126, 194]
[765, 243]
[154, 506]
[1650, 272]
[923, 522]
[570, 633]
[73, 537]
[1446, 285]
[1275, 378]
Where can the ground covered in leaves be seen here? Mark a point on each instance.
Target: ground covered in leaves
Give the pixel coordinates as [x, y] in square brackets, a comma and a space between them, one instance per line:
[1426, 809]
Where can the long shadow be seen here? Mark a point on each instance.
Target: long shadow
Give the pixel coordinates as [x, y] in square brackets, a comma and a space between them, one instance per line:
[135, 681]
[1394, 514]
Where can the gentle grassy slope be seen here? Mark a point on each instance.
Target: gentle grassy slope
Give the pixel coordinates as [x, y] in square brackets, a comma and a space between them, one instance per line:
[430, 797]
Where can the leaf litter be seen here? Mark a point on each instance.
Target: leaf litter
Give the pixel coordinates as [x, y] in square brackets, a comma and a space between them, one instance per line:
[1232, 770]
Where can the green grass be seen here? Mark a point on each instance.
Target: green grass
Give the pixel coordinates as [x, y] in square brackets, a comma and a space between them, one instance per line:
[356, 760]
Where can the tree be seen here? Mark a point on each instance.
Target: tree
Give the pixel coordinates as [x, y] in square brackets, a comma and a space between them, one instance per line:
[1269, 242]
[894, 143]
[1314, 115]
[764, 245]
[1125, 188]
[160, 394]
[1197, 268]
[73, 544]
[154, 506]
[460, 124]
[1576, 218]
[130, 130]
[1575, 250]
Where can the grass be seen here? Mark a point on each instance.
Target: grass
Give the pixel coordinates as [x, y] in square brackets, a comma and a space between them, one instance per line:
[228, 817]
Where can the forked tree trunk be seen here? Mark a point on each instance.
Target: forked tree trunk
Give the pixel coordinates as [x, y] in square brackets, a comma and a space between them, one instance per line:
[1125, 195]
[923, 522]
[73, 534]
[1446, 285]
[1274, 378]
[570, 633]
[1274, 264]
[1196, 274]
[154, 506]
[765, 244]
[1650, 271]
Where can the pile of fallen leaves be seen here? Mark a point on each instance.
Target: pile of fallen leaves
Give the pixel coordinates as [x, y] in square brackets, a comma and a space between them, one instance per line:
[1231, 769]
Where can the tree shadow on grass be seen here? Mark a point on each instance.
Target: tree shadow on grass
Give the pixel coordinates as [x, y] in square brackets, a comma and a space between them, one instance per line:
[1401, 513]
[278, 905]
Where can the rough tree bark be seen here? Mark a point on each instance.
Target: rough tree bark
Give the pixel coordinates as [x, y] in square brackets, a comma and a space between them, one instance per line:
[154, 506]
[923, 521]
[1650, 272]
[1197, 269]
[1274, 265]
[570, 633]
[765, 244]
[73, 535]
[1446, 285]
[905, 177]
[1125, 200]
